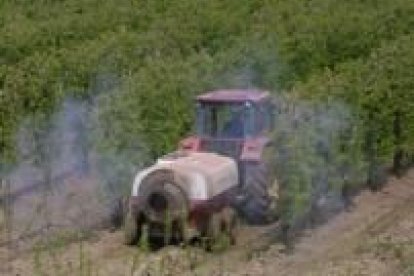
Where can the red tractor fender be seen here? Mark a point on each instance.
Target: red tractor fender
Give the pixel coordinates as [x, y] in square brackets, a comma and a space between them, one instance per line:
[254, 148]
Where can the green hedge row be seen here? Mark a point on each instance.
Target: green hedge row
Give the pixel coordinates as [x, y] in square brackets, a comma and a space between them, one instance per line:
[380, 91]
[377, 95]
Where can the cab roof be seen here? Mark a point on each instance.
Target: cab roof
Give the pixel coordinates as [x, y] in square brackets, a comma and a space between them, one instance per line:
[234, 96]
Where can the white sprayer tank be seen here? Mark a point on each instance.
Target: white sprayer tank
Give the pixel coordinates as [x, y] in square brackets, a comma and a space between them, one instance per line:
[201, 175]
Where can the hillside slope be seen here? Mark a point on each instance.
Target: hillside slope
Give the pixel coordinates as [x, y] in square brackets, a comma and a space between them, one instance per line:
[376, 237]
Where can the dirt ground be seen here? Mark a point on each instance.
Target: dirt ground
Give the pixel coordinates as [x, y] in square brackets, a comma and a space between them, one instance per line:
[376, 237]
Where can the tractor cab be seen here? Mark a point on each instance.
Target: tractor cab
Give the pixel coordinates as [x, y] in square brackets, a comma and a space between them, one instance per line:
[229, 122]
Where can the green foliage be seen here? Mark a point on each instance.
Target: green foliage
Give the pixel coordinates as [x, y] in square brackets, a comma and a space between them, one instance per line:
[317, 156]
[323, 33]
[377, 88]
[377, 92]
[52, 49]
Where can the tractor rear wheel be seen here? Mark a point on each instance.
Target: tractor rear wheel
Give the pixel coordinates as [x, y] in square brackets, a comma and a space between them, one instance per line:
[256, 204]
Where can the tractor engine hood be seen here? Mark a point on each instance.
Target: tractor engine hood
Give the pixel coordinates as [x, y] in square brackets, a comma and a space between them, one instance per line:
[179, 179]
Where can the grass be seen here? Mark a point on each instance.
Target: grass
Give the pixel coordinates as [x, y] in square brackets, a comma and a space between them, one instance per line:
[47, 252]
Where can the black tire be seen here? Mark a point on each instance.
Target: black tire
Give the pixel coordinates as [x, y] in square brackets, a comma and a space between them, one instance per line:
[256, 204]
[162, 184]
[132, 229]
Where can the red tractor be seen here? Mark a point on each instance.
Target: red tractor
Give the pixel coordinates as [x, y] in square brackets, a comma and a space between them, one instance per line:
[224, 166]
